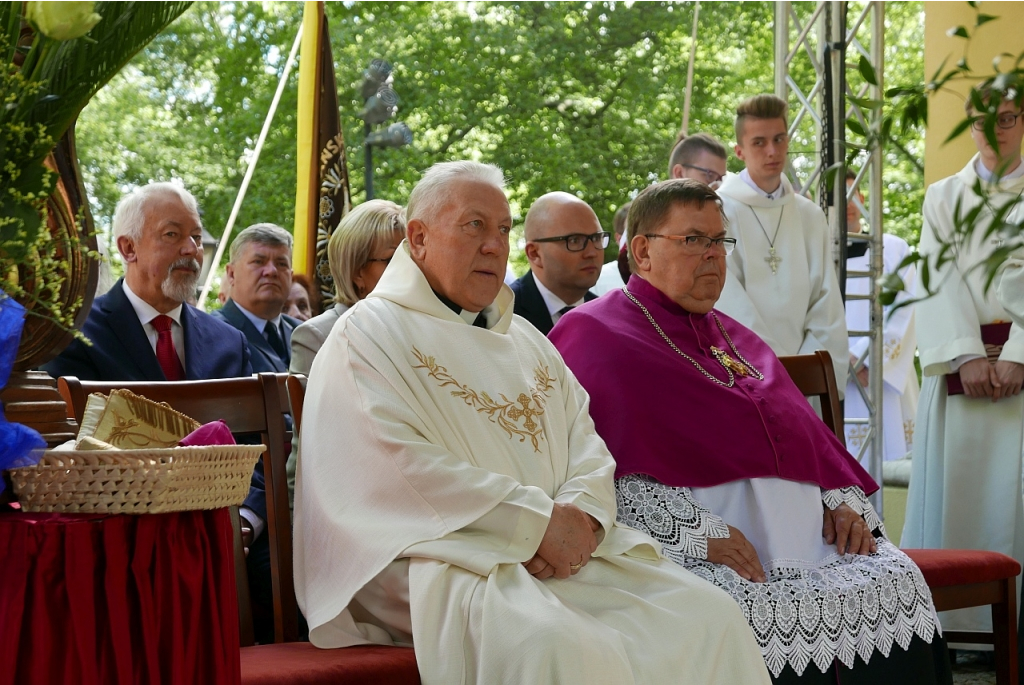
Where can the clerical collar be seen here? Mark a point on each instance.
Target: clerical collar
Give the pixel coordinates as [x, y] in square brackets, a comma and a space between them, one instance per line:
[990, 176]
[478, 319]
[774, 195]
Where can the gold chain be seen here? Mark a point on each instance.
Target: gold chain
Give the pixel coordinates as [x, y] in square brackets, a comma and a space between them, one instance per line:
[719, 355]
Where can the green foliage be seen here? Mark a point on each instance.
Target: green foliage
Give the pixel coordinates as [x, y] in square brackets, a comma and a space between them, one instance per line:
[44, 83]
[581, 97]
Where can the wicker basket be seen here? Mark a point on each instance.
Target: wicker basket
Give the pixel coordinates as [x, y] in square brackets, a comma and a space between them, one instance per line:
[144, 481]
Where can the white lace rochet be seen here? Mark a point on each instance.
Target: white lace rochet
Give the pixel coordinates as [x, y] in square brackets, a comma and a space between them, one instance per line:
[833, 609]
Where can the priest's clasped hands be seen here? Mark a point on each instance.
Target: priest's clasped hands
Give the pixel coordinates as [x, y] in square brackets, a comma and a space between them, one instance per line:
[1000, 379]
[568, 542]
[842, 526]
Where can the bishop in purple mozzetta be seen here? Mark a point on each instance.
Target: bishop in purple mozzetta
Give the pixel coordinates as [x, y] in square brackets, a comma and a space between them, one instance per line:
[722, 460]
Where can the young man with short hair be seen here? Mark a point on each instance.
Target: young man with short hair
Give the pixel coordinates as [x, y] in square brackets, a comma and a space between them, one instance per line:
[782, 283]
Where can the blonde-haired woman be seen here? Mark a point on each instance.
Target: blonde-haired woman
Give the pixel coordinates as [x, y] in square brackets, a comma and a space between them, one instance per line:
[358, 253]
[359, 250]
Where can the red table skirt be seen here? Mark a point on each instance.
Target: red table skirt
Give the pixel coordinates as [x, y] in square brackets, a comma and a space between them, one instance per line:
[118, 599]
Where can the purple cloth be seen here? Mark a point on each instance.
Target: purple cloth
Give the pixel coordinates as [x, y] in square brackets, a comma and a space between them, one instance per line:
[213, 433]
[662, 417]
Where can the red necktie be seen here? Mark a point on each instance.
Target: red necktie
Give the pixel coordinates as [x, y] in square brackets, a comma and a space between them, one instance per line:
[165, 352]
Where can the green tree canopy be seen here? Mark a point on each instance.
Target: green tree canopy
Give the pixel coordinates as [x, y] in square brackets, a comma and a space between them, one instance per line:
[581, 97]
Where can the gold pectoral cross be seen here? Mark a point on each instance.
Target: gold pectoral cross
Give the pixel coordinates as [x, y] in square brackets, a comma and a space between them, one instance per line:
[773, 260]
[728, 362]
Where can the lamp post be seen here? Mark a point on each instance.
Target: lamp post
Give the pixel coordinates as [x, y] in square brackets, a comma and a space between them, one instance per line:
[380, 102]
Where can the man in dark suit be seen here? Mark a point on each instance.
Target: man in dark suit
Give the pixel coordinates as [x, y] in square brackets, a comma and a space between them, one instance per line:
[259, 274]
[565, 247]
[259, 277]
[143, 329]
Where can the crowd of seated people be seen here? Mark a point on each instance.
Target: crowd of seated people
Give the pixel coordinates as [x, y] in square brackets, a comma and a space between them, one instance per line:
[533, 483]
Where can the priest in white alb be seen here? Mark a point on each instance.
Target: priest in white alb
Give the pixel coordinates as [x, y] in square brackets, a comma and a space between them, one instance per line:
[452, 493]
[965, 482]
[900, 388]
[782, 283]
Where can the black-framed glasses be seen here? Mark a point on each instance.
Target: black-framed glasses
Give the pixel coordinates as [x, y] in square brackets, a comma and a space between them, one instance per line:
[698, 244]
[710, 175]
[1004, 121]
[577, 242]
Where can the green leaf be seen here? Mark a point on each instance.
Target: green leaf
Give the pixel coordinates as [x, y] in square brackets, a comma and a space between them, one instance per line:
[855, 126]
[957, 32]
[867, 71]
[866, 103]
[984, 19]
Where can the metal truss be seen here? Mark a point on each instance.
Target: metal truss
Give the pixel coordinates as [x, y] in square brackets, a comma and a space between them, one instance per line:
[816, 50]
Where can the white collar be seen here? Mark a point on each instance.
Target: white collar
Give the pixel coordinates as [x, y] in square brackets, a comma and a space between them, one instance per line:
[774, 195]
[144, 310]
[988, 176]
[258, 322]
[404, 284]
[553, 302]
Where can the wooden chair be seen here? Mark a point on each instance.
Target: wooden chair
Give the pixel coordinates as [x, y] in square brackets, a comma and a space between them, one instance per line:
[258, 404]
[958, 578]
[253, 405]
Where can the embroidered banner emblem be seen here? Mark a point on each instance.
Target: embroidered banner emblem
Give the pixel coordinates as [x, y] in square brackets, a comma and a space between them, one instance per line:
[507, 413]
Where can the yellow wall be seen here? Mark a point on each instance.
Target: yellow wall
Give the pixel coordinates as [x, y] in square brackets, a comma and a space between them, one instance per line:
[946, 109]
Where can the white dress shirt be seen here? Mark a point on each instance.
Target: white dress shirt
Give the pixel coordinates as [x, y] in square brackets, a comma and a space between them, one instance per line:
[553, 302]
[147, 312]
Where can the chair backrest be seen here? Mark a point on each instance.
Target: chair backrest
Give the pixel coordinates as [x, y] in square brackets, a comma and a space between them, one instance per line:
[256, 404]
[815, 376]
[296, 395]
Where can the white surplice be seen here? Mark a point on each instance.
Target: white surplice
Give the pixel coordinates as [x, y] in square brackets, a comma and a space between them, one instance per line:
[797, 310]
[816, 606]
[432, 453]
[900, 388]
[965, 484]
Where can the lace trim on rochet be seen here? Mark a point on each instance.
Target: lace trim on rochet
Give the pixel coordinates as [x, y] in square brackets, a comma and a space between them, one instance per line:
[669, 515]
[833, 609]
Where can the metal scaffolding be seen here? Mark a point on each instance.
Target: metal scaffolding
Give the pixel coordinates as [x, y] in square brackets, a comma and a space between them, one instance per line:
[815, 50]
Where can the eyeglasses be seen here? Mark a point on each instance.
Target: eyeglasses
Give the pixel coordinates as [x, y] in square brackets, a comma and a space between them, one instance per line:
[698, 244]
[577, 242]
[710, 175]
[1004, 121]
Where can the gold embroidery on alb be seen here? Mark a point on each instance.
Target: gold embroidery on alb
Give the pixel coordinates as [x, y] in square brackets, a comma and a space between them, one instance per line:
[507, 413]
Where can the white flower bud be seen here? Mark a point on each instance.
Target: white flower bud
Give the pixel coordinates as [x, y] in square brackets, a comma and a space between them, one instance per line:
[62, 20]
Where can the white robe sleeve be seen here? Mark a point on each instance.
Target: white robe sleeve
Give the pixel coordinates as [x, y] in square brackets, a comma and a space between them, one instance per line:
[825, 323]
[948, 321]
[1011, 296]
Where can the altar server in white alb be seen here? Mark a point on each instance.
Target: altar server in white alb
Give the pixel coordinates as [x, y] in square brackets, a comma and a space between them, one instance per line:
[782, 283]
[900, 388]
[965, 483]
[453, 494]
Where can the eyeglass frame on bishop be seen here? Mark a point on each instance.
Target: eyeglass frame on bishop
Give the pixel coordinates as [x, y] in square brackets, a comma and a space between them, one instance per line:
[978, 124]
[600, 240]
[710, 175]
[691, 241]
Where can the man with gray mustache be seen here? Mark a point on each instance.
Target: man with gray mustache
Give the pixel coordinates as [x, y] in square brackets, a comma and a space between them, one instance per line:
[143, 329]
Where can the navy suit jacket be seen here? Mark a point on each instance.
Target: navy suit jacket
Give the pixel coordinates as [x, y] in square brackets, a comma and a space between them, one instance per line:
[120, 351]
[264, 358]
[530, 303]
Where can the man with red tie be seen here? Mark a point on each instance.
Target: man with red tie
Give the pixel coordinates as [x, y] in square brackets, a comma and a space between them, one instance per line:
[143, 329]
